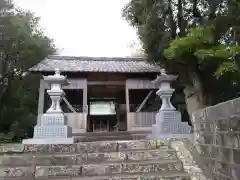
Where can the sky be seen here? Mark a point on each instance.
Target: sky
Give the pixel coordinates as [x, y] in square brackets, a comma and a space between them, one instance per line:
[84, 27]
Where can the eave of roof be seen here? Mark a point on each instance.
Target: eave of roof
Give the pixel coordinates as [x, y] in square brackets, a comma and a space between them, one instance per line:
[95, 64]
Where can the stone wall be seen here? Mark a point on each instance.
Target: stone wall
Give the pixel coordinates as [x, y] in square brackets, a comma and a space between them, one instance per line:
[217, 138]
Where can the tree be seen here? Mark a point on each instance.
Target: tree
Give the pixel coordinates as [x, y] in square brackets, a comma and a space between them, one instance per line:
[24, 45]
[193, 39]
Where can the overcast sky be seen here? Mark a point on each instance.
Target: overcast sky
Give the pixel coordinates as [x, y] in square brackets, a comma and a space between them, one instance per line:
[84, 27]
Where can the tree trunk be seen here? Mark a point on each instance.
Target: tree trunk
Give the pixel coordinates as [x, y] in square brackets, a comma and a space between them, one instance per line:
[193, 99]
[194, 96]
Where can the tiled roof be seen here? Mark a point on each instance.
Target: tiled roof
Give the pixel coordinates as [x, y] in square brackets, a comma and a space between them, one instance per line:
[94, 64]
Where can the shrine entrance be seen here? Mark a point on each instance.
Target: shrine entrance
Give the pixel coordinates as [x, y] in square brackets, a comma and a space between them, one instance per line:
[102, 115]
[106, 108]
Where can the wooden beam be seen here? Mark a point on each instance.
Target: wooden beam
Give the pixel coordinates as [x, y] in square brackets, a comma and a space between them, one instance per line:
[69, 105]
[41, 100]
[144, 101]
[105, 83]
[72, 84]
[140, 84]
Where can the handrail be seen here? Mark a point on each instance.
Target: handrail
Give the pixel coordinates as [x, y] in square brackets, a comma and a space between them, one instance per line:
[69, 105]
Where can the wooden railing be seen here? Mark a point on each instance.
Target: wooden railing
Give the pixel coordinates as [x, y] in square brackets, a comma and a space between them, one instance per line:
[140, 120]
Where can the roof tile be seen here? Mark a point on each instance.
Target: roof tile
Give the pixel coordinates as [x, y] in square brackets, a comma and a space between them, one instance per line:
[94, 64]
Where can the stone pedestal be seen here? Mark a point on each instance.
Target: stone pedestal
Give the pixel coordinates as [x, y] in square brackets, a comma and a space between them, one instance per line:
[53, 128]
[169, 125]
[168, 121]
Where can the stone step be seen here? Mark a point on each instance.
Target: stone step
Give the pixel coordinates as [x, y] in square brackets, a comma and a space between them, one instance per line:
[112, 169]
[117, 133]
[86, 147]
[14, 160]
[108, 138]
[102, 138]
[145, 176]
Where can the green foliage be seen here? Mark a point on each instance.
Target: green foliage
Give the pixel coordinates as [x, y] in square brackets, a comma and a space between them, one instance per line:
[195, 39]
[24, 44]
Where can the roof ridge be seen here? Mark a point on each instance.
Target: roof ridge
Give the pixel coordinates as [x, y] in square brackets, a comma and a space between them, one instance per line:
[88, 58]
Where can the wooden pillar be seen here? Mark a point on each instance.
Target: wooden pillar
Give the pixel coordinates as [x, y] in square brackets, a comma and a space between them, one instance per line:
[127, 108]
[41, 100]
[85, 105]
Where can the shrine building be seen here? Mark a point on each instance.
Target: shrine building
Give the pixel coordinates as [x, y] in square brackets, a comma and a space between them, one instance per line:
[103, 94]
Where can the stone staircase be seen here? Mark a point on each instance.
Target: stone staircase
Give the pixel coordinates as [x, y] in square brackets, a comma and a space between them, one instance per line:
[103, 160]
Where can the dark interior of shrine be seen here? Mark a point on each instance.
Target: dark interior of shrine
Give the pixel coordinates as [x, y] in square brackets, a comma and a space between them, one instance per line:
[103, 120]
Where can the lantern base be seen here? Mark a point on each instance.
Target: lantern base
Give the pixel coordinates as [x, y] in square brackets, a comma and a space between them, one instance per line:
[49, 141]
[169, 125]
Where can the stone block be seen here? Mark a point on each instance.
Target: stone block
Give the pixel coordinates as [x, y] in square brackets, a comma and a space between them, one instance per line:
[209, 163]
[61, 160]
[218, 176]
[231, 140]
[219, 139]
[143, 144]
[234, 123]
[92, 147]
[217, 112]
[15, 172]
[151, 155]
[200, 127]
[16, 160]
[236, 156]
[179, 176]
[11, 148]
[222, 124]
[101, 146]
[101, 169]
[131, 156]
[151, 177]
[106, 157]
[225, 155]
[163, 144]
[208, 139]
[222, 168]
[50, 148]
[214, 152]
[221, 110]
[202, 138]
[199, 116]
[54, 171]
[204, 150]
[209, 126]
[235, 172]
[164, 166]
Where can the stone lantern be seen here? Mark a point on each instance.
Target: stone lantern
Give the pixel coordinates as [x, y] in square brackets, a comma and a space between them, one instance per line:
[53, 128]
[168, 120]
